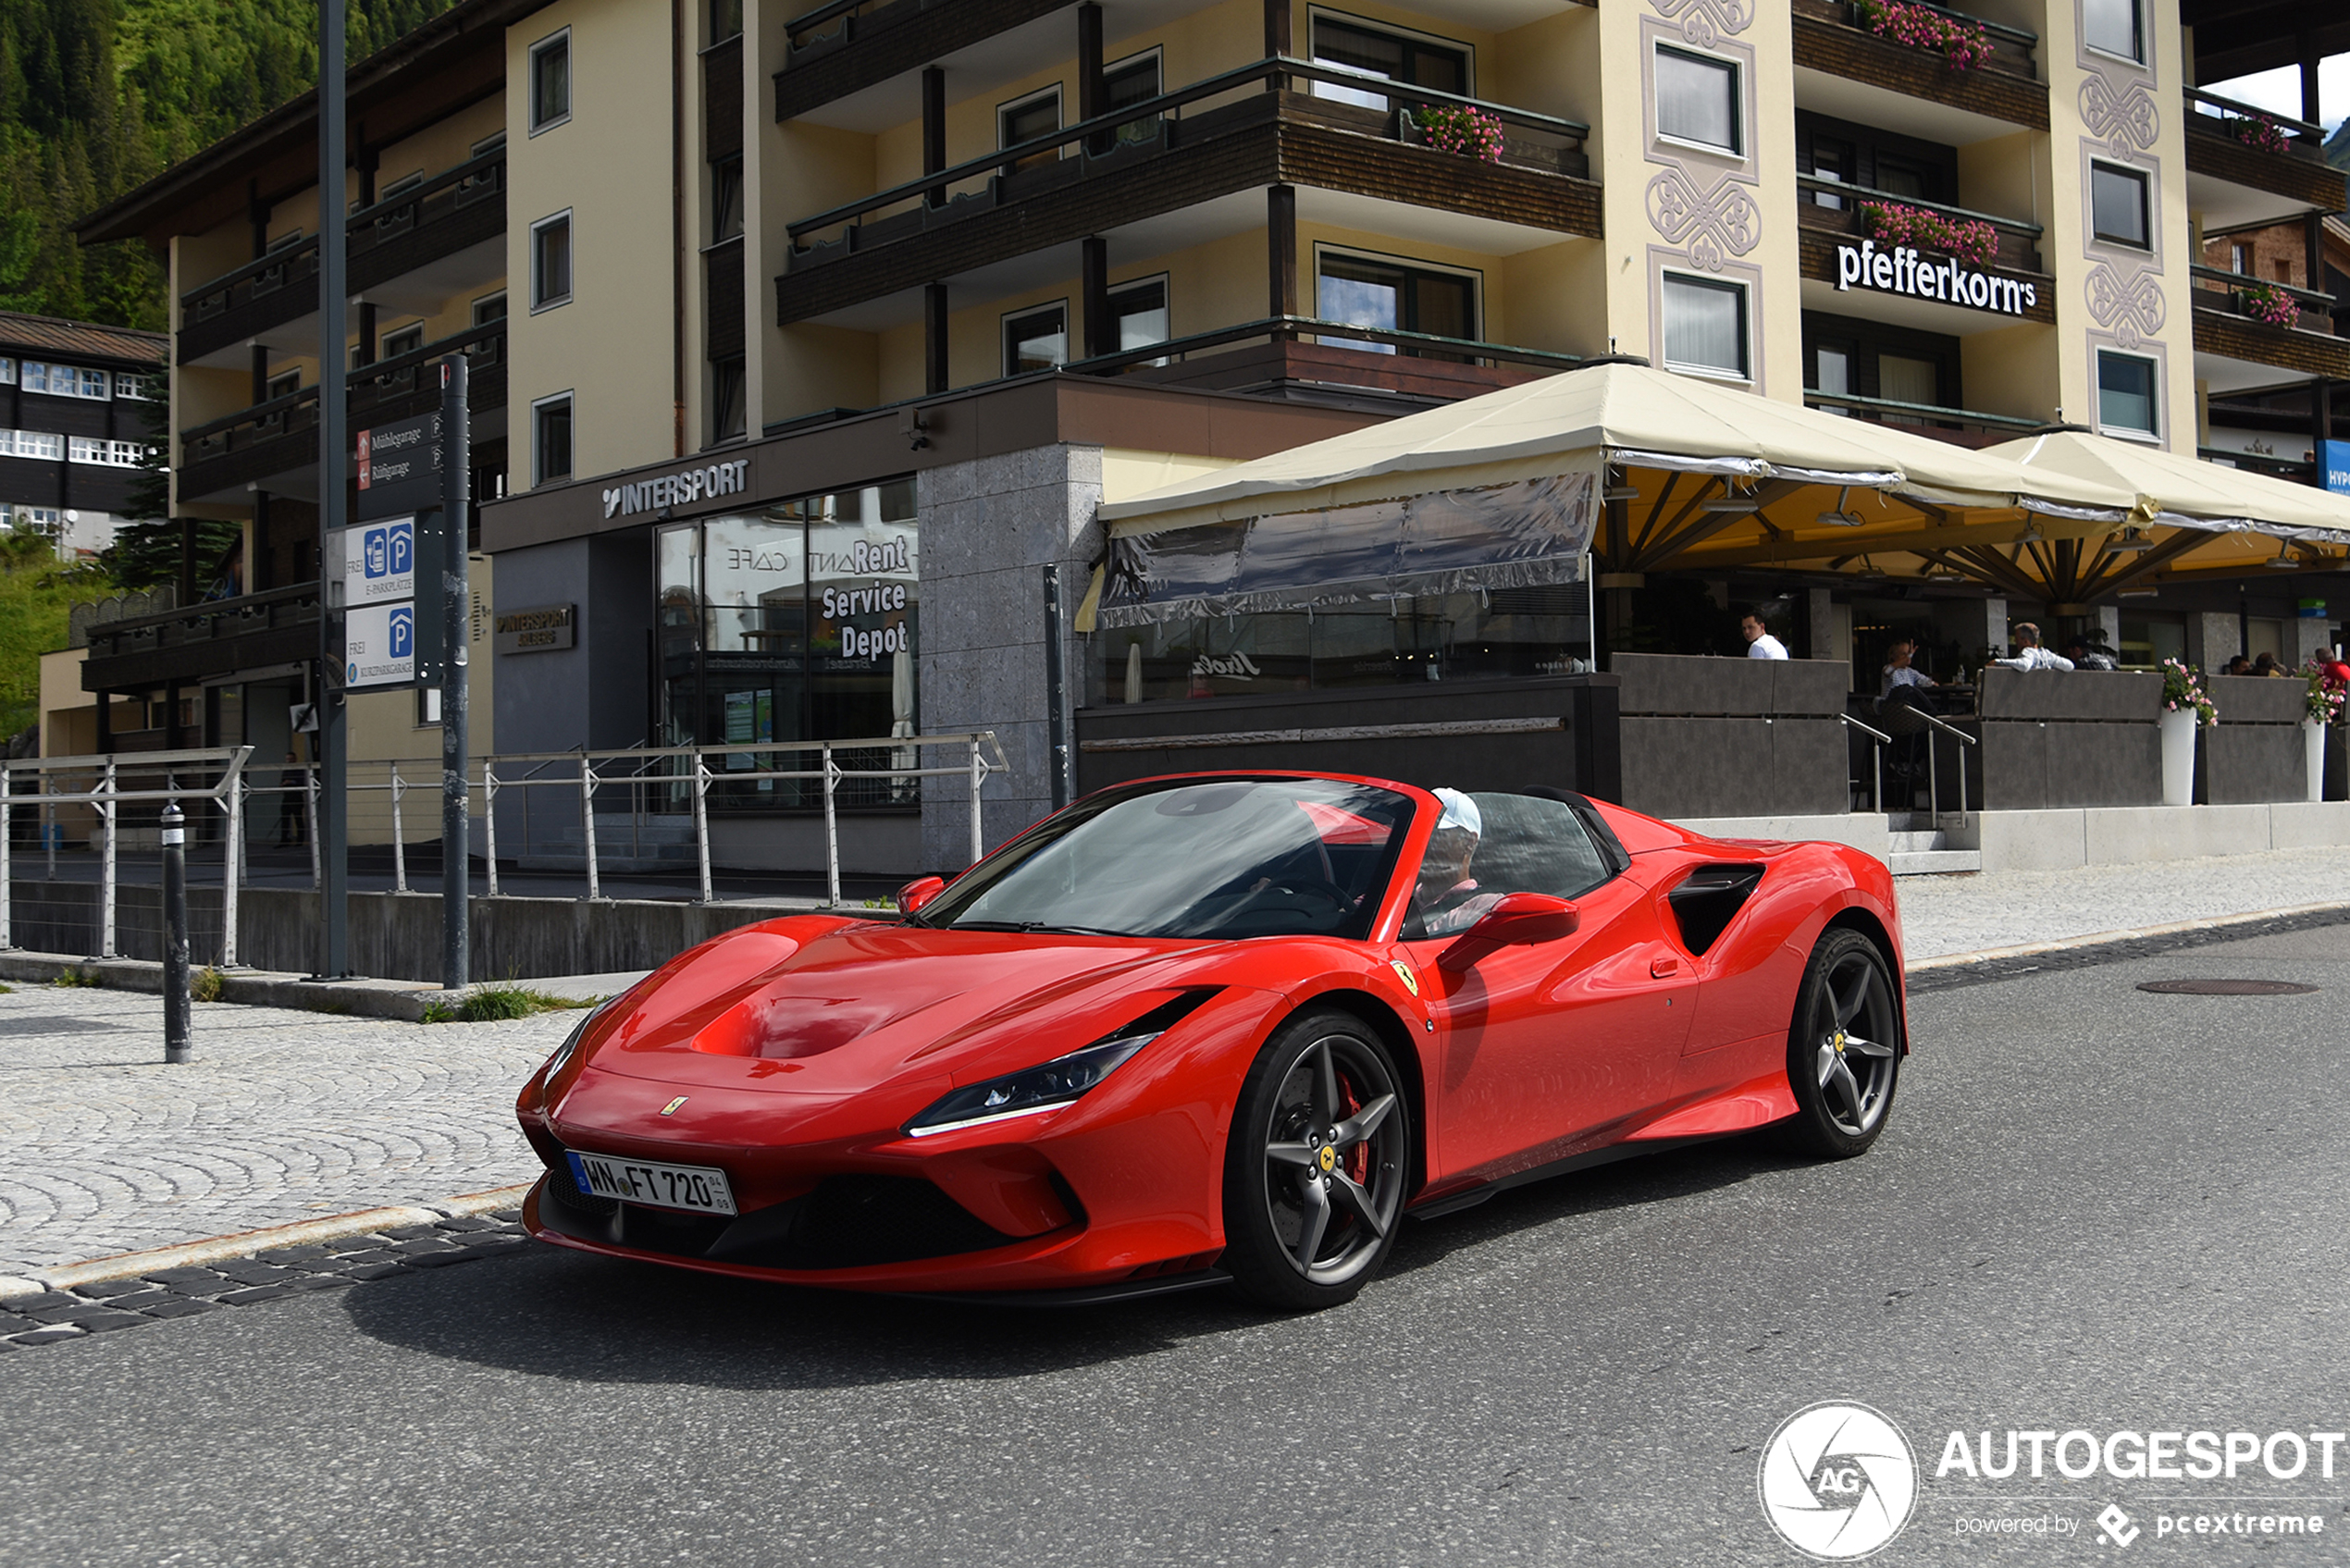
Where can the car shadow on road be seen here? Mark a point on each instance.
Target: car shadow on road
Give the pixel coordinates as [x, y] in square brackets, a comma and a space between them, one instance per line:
[572, 1315]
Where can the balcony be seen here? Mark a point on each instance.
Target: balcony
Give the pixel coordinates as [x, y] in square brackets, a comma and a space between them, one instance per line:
[2247, 166]
[1824, 227]
[848, 45]
[1960, 426]
[415, 248]
[217, 460]
[1835, 38]
[217, 638]
[2232, 322]
[1154, 157]
[1288, 354]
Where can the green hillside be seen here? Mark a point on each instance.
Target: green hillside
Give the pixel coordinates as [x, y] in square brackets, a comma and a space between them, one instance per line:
[98, 95]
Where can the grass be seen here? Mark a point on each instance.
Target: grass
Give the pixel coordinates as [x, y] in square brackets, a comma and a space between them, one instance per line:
[495, 1003]
[75, 980]
[205, 984]
[7, 991]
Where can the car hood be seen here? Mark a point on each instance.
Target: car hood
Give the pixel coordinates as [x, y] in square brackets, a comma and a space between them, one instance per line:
[813, 1005]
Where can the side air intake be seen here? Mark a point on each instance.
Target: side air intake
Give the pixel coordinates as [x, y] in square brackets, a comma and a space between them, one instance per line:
[1709, 898]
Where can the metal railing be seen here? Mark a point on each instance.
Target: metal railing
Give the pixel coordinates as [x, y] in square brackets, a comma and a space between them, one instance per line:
[367, 387]
[2302, 138]
[1273, 70]
[1878, 741]
[680, 773]
[1890, 408]
[2208, 279]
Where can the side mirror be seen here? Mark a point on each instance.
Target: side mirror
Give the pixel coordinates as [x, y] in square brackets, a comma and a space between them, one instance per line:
[1519, 918]
[920, 891]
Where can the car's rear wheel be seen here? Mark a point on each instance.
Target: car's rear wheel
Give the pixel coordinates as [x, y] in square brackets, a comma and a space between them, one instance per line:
[1315, 1171]
[1844, 1053]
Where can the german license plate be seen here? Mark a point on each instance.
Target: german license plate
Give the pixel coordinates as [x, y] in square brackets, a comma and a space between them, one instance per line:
[699, 1188]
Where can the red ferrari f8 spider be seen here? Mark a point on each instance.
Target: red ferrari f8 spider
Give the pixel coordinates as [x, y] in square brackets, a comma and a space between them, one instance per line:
[1219, 1027]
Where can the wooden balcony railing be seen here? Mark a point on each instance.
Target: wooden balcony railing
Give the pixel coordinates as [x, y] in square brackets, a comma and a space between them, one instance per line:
[2011, 47]
[2231, 293]
[1836, 207]
[1536, 141]
[2251, 126]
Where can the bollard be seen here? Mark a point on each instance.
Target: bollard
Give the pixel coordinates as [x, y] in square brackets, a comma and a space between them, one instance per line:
[175, 933]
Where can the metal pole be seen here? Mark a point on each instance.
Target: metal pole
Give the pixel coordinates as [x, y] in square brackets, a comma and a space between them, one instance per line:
[1056, 690]
[977, 774]
[175, 933]
[334, 452]
[1933, 781]
[310, 821]
[399, 841]
[232, 866]
[587, 815]
[832, 835]
[701, 824]
[489, 826]
[106, 872]
[456, 606]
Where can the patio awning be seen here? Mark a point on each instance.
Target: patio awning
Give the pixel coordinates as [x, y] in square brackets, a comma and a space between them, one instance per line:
[2188, 492]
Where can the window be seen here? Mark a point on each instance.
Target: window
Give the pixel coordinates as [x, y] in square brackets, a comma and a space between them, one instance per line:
[550, 439]
[2240, 258]
[400, 187]
[726, 200]
[427, 707]
[45, 521]
[407, 339]
[37, 444]
[2110, 26]
[138, 389]
[65, 380]
[2118, 205]
[1036, 339]
[551, 262]
[726, 402]
[1139, 311]
[1130, 81]
[1832, 372]
[1900, 177]
[2125, 394]
[1386, 54]
[550, 82]
[1025, 119]
[1705, 326]
[285, 386]
[725, 19]
[489, 308]
[493, 142]
[1831, 161]
[7, 373]
[289, 238]
[1374, 291]
[1697, 100]
[105, 453]
[1903, 379]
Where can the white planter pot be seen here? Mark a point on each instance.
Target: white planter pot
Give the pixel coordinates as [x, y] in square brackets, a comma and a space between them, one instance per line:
[2178, 757]
[2313, 742]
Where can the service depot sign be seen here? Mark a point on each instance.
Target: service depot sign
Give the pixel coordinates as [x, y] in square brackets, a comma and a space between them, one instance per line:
[1910, 273]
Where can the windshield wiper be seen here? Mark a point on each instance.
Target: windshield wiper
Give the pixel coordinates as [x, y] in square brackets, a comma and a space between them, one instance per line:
[1030, 928]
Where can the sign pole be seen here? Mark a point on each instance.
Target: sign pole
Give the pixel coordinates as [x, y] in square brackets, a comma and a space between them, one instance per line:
[333, 506]
[456, 602]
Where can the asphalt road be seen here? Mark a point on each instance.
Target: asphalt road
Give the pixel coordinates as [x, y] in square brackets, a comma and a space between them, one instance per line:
[2095, 1209]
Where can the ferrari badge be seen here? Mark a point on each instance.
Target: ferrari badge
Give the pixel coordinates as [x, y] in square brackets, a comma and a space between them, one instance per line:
[1403, 972]
[673, 1104]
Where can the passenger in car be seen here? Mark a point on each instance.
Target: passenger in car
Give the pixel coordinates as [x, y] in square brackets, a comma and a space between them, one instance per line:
[1447, 898]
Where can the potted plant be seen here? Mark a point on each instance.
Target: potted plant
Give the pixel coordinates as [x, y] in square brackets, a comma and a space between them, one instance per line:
[2267, 135]
[1964, 45]
[2185, 709]
[2266, 301]
[1459, 131]
[2324, 709]
[1894, 223]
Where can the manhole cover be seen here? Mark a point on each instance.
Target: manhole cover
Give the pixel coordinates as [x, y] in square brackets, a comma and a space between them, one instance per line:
[2227, 988]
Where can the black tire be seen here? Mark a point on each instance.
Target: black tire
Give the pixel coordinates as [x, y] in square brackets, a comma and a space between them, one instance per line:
[1322, 1128]
[1844, 1050]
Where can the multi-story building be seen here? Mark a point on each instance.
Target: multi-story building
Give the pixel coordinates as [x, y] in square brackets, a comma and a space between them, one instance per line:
[79, 406]
[805, 337]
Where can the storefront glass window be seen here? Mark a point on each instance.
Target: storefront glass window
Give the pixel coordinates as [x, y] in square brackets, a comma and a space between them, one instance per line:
[1460, 636]
[797, 622]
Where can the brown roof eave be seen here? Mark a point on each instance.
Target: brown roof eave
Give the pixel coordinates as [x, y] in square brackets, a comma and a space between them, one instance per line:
[146, 212]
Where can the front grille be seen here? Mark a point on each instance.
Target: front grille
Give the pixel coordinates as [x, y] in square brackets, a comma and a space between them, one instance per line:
[847, 1222]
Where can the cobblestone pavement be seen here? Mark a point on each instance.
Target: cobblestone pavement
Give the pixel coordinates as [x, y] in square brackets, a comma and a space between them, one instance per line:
[1967, 914]
[57, 1316]
[282, 1116]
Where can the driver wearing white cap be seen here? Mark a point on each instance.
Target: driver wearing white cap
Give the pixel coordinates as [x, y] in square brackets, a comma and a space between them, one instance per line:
[1447, 899]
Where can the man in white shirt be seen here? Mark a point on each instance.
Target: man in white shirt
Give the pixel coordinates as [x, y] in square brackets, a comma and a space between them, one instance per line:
[1759, 643]
[2029, 655]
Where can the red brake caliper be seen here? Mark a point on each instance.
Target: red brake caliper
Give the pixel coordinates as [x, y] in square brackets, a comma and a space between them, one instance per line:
[1358, 1158]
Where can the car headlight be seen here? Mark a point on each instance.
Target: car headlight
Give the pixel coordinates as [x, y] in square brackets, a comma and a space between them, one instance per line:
[1056, 1083]
[564, 1052]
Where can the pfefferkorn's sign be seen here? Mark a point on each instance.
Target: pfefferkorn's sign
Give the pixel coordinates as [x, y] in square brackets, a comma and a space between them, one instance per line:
[1904, 271]
[681, 488]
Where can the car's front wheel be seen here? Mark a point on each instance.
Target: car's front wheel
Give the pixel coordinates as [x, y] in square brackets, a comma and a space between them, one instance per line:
[1313, 1174]
[1844, 1053]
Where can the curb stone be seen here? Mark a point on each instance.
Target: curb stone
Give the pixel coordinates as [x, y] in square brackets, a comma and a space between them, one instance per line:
[1949, 970]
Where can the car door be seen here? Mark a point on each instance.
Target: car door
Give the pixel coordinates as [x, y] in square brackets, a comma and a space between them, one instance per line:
[1549, 1047]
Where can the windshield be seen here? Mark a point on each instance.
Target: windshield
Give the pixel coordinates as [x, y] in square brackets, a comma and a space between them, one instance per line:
[1214, 859]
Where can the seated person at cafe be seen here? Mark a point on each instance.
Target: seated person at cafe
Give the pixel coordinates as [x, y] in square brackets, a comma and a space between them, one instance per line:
[1759, 643]
[2239, 665]
[1447, 898]
[2266, 665]
[2029, 654]
[2086, 655]
[1899, 672]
